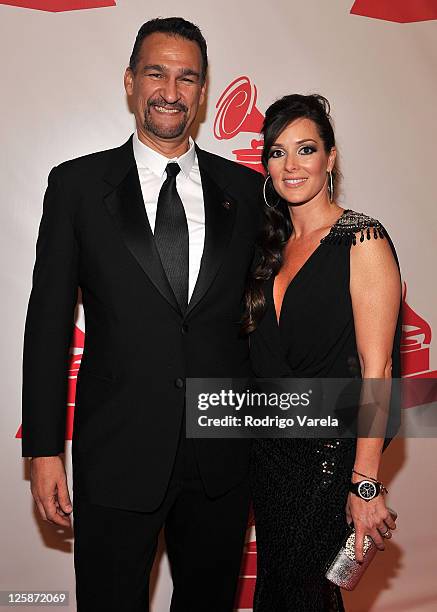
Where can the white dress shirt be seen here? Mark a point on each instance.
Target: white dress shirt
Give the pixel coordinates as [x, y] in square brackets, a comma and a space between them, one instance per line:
[151, 170]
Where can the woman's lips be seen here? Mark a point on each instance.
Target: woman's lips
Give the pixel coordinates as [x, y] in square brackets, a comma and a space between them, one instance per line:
[297, 182]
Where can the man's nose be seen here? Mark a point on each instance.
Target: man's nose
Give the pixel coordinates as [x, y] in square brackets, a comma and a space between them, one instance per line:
[170, 91]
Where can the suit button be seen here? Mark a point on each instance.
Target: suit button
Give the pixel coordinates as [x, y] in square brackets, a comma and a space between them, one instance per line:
[185, 328]
[179, 383]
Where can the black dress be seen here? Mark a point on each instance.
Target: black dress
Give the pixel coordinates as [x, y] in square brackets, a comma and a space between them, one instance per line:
[300, 486]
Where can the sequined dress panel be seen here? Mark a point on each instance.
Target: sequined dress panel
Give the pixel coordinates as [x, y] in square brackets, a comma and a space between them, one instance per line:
[300, 487]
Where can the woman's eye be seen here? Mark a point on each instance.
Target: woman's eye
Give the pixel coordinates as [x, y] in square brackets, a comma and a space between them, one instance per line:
[307, 150]
[276, 153]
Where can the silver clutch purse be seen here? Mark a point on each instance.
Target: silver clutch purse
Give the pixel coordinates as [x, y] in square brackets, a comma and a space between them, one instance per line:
[344, 571]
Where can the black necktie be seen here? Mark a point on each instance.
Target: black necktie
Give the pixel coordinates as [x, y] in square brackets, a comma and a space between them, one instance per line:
[171, 236]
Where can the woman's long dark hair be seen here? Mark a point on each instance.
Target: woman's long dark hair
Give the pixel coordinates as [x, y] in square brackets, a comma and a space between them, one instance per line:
[277, 225]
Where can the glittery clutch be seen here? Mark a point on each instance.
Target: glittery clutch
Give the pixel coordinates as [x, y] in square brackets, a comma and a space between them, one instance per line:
[344, 571]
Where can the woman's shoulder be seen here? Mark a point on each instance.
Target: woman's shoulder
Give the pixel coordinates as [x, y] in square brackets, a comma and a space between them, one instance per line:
[353, 227]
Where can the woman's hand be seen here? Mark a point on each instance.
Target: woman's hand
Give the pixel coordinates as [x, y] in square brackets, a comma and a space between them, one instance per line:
[370, 518]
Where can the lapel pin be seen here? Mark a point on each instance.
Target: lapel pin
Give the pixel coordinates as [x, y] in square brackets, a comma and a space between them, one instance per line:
[226, 205]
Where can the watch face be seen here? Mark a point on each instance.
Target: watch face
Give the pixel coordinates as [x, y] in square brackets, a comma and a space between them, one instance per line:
[367, 489]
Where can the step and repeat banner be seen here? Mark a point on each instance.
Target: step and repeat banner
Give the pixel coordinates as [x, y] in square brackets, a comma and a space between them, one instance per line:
[375, 60]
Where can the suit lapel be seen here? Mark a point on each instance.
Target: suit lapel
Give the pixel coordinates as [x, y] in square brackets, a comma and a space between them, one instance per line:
[124, 201]
[220, 213]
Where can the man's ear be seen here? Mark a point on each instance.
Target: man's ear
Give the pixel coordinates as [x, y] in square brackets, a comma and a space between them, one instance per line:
[129, 81]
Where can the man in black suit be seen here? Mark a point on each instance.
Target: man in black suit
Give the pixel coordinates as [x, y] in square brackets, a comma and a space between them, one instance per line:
[159, 236]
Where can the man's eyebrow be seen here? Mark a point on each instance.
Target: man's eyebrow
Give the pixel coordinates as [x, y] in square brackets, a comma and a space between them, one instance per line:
[162, 68]
[158, 67]
[189, 72]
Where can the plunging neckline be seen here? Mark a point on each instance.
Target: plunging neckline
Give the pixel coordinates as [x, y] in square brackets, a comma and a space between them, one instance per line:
[298, 273]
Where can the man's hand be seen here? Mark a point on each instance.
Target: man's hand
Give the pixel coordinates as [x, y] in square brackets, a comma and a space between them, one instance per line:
[48, 483]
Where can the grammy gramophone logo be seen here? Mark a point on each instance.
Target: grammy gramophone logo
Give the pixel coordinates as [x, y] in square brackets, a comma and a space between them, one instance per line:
[59, 6]
[415, 342]
[415, 358]
[400, 11]
[237, 113]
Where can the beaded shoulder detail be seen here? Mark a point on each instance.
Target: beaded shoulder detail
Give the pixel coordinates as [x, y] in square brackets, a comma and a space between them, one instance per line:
[349, 224]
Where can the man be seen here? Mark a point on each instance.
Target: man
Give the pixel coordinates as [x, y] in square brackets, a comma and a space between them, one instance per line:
[159, 236]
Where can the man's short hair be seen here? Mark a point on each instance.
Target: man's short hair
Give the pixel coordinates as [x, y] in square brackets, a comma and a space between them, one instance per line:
[173, 26]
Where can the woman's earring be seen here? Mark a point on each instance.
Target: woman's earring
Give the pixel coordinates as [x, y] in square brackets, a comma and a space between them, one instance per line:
[331, 187]
[264, 194]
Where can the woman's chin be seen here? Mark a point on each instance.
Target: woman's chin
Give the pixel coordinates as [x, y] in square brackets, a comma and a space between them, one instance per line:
[296, 201]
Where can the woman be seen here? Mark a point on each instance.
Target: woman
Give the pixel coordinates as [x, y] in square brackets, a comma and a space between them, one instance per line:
[323, 301]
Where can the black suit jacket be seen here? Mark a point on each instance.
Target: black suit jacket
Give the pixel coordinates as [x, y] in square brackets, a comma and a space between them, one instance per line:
[139, 348]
